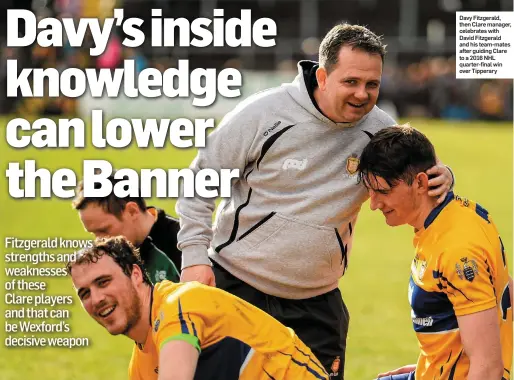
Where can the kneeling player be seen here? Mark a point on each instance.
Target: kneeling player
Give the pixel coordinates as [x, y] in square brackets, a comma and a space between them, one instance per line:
[459, 285]
[185, 331]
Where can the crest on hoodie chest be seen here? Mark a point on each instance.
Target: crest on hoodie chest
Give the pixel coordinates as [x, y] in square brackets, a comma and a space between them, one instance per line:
[352, 164]
[300, 151]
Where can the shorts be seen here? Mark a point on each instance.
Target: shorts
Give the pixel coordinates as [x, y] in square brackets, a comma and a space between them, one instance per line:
[321, 322]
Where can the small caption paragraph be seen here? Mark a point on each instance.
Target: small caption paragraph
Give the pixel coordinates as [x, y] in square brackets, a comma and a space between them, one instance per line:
[485, 45]
[35, 317]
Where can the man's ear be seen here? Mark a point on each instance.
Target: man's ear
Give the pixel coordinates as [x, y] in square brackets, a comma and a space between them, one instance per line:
[321, 77]
[132, 209]
[137, 274]
[421, 182]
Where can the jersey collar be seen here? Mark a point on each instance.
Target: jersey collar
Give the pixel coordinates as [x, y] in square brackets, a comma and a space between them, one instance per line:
[436, 211]
[142, 346]
[151, 305]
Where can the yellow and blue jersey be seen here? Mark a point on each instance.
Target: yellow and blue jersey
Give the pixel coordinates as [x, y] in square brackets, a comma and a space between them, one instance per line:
[236, 340]
[460, 268]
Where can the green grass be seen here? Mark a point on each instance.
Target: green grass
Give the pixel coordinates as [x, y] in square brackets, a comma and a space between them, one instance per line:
[374, 288]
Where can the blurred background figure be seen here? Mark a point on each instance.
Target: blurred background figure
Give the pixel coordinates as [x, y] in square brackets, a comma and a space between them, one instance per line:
[419, 77]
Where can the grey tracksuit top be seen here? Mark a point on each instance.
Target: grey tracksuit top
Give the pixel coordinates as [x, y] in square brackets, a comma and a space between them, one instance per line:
[288, 227]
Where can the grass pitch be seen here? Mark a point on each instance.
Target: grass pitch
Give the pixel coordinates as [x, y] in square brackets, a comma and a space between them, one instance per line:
[374, 288]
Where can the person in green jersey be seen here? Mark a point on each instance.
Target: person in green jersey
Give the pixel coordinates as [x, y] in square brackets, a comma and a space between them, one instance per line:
[146, 227]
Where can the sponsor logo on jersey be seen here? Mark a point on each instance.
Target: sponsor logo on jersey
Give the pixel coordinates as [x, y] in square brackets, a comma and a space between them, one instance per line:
[427, 321]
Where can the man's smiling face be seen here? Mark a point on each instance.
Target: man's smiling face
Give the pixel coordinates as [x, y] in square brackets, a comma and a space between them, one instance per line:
[350, 89]
[107, 294]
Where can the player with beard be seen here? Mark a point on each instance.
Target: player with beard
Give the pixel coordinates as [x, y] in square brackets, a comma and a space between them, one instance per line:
[172, 324]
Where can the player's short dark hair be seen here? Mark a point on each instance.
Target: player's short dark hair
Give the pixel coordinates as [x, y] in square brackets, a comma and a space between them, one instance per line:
[396, 154]
[111, 204]
[118, 248]
[357, 36]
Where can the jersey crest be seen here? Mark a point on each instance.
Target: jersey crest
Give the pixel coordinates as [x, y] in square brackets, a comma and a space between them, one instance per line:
[468, 270]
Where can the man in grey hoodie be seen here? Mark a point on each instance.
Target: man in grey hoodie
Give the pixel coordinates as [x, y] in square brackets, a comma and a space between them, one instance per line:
[282, 240]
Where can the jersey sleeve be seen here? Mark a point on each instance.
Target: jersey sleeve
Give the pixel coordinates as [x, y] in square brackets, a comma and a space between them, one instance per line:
[179, 320]
[229, 146]
[466, 275]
